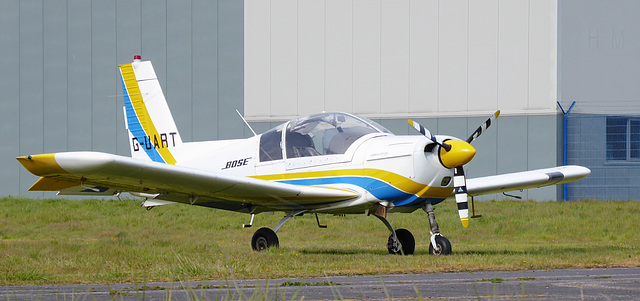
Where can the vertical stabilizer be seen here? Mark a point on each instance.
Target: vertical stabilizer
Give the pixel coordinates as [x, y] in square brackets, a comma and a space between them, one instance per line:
[153, 134]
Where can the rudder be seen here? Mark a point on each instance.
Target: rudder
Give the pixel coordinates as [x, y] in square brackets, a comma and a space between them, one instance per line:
[152, 131]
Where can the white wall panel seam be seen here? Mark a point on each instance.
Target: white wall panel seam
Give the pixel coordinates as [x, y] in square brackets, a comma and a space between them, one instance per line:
[270, 84]
[297, 100]
[270, 98]
[438, 62]
[324, 55]
[409, 61]
[468, 47]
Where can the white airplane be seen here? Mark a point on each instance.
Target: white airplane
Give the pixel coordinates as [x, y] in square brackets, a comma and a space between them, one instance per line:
[333, 163]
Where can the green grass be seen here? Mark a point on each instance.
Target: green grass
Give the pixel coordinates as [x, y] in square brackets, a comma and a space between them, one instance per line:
[58, 241]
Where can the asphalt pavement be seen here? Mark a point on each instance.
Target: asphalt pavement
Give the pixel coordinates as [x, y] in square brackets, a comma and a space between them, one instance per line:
[566, 284]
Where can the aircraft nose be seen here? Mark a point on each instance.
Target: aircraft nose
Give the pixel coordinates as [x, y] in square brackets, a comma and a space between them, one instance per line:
[460, 154]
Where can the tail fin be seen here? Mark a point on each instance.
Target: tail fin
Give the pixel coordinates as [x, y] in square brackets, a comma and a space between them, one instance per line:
[153, 134]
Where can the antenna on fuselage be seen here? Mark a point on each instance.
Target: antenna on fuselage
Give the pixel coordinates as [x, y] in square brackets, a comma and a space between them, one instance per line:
[245, 122]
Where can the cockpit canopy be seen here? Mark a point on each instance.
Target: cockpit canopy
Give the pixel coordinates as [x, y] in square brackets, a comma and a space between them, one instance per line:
[316, 135]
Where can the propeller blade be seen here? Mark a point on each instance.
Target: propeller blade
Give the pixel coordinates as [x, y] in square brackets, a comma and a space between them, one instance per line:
[460, 188]
[483, 127]
[428, 134]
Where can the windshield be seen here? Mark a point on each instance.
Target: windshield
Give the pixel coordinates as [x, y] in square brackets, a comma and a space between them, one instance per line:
[271, 144]
[326, 134]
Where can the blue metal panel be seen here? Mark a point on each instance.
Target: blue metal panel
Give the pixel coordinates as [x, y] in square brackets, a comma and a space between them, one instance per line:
[9, 85]
[61, 88]
[204, 56]
[453, 126]
[179, 65]
[396, 126]
[512, 149]
[609, 180]
[31, 85]
[154, 39]
[543, 152]
[104, 105]
[79, 76]
[259, 127]
[55, 79]
[230, 68]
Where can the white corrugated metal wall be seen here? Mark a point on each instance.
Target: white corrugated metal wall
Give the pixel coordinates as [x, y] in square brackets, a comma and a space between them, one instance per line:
[392, 59]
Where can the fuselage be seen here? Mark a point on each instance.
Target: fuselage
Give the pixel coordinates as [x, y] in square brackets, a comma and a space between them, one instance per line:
[336, 150]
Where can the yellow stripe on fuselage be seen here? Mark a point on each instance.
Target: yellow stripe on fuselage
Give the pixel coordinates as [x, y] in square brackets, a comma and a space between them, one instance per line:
[130, 81]
[400, 182]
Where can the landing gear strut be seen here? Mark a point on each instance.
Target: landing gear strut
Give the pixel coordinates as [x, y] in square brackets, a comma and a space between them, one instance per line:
[401, 241]
[440, 245]
[266, 238]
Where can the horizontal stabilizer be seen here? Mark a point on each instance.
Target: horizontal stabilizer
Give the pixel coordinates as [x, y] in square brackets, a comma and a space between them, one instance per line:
[89, 191]
[65, 187]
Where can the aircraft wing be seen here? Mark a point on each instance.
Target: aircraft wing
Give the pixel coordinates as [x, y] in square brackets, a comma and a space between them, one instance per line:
[105, 174]
[526, 179]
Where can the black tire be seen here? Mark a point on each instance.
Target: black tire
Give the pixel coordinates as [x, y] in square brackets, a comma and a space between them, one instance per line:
[443, 244]
[406, 240]
[263, 239]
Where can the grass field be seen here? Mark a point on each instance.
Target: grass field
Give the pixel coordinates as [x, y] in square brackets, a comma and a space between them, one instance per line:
[58, 241]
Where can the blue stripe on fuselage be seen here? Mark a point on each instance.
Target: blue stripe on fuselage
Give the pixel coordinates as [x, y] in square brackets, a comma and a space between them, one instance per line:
[380, 189]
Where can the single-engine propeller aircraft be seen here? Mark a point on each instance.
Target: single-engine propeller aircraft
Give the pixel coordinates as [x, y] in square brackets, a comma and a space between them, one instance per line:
[332, 163]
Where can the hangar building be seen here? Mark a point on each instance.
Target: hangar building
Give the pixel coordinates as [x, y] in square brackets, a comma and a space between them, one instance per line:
[446, 64]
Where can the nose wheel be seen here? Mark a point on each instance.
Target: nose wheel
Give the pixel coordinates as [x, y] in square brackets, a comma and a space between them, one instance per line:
[440, 245]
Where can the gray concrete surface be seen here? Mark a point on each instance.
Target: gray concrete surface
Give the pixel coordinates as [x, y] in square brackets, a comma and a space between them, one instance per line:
[567, 284]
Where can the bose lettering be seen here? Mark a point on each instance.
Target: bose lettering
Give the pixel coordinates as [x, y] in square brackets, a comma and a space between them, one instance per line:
[237, 163]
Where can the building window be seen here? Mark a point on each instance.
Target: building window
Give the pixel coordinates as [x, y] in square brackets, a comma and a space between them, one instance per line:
[623, 139]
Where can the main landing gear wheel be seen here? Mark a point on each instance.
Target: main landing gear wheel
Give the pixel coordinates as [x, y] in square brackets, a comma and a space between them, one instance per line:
[406, 240]
[443, 246]
[263, 239]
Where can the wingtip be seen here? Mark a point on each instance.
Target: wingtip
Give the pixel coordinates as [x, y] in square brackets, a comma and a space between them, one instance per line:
[41, 165]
